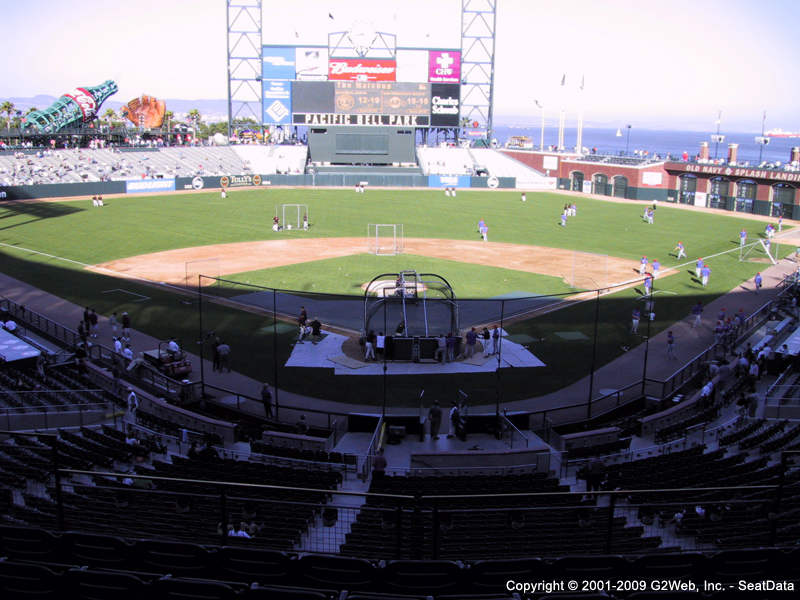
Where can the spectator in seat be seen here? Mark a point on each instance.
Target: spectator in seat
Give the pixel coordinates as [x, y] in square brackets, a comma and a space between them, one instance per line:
[302, 427]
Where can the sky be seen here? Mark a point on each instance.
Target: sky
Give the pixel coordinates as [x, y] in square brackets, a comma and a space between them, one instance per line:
[660, 64]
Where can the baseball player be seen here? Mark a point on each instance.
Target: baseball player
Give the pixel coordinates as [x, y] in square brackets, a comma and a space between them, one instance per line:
[648, 285]
[704, 273]
[635, 316]
[524, 198]
[780, 223]
[642, 265]
[305, 221]
[698, 267]
[742, 238]
[485, 232]
[656, 267]
[564, 219]
[758, 281]
[697, 312]
[681, 250]
[276, 223]
[770, 231]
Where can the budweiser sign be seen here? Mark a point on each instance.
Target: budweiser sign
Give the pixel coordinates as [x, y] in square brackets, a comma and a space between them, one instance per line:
[362, 69]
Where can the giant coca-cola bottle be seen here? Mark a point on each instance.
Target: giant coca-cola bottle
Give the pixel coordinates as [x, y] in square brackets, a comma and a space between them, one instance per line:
[79, 105]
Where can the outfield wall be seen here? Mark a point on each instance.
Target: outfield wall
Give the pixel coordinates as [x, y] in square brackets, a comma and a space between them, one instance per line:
[154, 186]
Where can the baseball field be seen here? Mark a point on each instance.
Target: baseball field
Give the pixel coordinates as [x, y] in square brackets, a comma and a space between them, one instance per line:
[118, 258]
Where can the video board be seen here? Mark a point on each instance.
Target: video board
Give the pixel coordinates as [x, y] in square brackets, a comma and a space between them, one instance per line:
[368, 103]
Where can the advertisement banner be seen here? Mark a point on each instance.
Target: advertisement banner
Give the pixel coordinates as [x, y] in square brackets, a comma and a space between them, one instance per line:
[445, 104]
[444, 66]
[373, 120]
[459, 181]
[311, 64]
[229, 181]
[277, 62]
[362, 69]
[144, 186]
[277, 102]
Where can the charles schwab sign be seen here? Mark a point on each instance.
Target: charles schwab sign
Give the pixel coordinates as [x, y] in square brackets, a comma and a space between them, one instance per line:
[445, 104]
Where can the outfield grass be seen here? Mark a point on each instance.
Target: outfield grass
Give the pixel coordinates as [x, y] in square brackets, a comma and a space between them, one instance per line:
[136, 225]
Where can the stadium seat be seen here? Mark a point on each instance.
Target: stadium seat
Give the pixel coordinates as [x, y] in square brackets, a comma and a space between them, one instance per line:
[590, 567]
[287, 593]
[379, 596]
[104, 551]
[497, 596]
[336, 571]
[168, 588]
[752, 565]
[685, 566]
[174, 558]
[490, 575]
[21, 580]
[417, 576]
[102, 585]
[254, 565]
[26, 543]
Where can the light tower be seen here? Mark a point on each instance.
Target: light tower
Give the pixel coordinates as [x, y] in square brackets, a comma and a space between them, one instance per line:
[478, 21]
[244, 61]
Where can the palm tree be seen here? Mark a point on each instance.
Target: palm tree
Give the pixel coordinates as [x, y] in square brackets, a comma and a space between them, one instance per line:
[194, 116]
[8, 108]
[109, 115]
[168, 115]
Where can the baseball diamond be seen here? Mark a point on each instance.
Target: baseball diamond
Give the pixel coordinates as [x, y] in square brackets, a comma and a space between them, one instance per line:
[533, 276]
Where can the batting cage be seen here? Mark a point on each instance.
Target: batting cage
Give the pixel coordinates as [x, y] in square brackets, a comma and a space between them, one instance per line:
[411, 304]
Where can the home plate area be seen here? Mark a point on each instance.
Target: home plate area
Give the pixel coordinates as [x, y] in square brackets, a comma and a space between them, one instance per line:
[327, 353]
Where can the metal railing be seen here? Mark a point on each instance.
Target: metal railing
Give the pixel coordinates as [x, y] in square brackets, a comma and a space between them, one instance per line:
[512, 435]
[429, 526]
[365, 468]
[51, 417]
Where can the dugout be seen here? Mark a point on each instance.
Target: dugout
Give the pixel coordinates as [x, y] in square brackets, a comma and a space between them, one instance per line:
[361, 145]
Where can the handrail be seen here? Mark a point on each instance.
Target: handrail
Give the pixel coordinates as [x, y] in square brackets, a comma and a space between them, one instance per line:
[513, 428]
[623, 492]
[231, 483]
[372, 448]
[38, 410]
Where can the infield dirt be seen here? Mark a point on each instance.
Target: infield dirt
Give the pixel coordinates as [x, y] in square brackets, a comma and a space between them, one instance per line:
[577, 268]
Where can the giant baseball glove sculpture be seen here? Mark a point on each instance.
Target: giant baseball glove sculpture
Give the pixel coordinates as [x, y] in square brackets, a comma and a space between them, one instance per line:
[145, 111]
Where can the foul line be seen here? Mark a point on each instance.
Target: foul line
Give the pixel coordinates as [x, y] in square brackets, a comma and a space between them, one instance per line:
[142, 297]
[75, 262]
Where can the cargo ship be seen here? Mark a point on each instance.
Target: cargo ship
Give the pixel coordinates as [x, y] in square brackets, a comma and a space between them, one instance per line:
[780, 133]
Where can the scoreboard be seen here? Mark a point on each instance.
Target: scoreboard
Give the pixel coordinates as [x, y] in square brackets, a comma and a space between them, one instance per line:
[375, 103]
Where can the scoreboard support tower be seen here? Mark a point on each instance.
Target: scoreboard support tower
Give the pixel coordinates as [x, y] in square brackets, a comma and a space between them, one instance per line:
[244, 61]
[478, 21]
